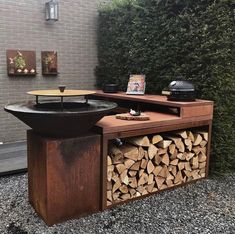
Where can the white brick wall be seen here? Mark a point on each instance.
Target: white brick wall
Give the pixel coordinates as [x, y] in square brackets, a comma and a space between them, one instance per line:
[23, 26]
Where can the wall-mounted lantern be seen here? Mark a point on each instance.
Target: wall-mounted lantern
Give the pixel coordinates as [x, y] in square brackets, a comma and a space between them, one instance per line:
[52, 10]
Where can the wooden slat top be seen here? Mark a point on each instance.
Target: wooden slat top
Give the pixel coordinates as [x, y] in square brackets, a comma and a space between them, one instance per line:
[57, 93]
[109, 124]
[154, 99]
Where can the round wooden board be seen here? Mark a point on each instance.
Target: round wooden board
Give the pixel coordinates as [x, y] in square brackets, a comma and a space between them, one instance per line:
[57, 93]
[127, 116]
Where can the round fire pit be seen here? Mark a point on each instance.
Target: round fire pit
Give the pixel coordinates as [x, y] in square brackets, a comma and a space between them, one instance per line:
[59, 118]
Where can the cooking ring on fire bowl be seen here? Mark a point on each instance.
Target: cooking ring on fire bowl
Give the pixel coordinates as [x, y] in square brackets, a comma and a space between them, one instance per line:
[60, 118]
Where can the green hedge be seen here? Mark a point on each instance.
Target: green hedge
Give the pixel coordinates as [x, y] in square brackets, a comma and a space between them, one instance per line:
[164, 39]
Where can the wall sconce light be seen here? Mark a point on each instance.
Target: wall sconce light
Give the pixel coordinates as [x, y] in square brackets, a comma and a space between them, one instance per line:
[52, 10]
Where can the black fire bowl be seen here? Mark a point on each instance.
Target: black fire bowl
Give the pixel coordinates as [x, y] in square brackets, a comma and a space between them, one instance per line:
[53, 120]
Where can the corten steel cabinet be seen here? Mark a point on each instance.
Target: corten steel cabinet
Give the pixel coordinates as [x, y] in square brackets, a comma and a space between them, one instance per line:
[64, 176]
[165, 117]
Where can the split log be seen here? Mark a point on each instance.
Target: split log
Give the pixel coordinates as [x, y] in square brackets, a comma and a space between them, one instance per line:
[190, 136]
[109, 203]
[183, 134]
[170, 176]
[110, 172]
[157, 159]
[130, 152]
[202, 165]
[180, 146]
[133, 182]
[109, 161]
[115, 151]
[164, 172]
[139, 141]
[164, 186]
[138, 194]
[197, 149]
[109, 196]
[172, 148]
[189, 156]
[166, 159]
[135, 166]
[152, 151]
[154, 189]
[204, 134]
[176, 140]
[187, 173]
[157, 170]
[143, 179]
[117, 159]
[144, 163]
[146, 155]
[150, 179]
[125, 196]
[174, 162]
[159, 181]
[133, 173]
[140, 189]
[194, 162]
[141, 153]
[109, 185]
[181, 165]
[187, 166]
[180, 156]
[120, 168]
[195, 174]
[141, 172]
[128, 163]
[124, 177]
[150, 167]
[123, 189]
[132, 192]
[164, 143]
[203, 170]
[150, 187]
[203, 143]
[203, 150]
[201, 157]
[197, 139]
[162, 151]
[116, 186]
[188, 143]
[174, 155]
[169, 183]
[178, 178]
[156, 139]
[116, 196]
[172, 169]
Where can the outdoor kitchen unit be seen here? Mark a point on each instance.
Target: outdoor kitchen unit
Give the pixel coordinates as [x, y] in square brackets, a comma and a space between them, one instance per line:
[76, 167]
[63, 154]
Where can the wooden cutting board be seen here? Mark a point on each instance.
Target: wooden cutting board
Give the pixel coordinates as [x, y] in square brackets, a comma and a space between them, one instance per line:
[127, 116]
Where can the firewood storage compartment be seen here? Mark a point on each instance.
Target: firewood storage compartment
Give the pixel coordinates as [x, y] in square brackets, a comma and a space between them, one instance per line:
[171, 149]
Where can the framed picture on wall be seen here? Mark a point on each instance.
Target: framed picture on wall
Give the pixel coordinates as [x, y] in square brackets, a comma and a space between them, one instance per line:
[21, 63]
[136, 84]
[49, 62]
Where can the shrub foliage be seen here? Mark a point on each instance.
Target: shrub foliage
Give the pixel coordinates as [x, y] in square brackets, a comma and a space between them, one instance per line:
[164, 39]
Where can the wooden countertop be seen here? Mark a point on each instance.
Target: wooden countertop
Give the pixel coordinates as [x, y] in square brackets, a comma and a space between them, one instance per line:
[154, 99]
[109, 124]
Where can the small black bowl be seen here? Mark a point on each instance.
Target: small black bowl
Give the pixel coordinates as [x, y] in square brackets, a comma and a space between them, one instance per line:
[110, 88]
[61, 88]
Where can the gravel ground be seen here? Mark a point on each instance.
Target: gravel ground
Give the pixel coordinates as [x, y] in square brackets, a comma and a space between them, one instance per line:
[207, 206]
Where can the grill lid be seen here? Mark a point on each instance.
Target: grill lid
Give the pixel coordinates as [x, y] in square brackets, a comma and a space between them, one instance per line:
[181, 85]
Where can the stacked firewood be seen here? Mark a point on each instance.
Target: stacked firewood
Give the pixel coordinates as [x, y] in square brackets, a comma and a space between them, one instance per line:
[147, 164]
